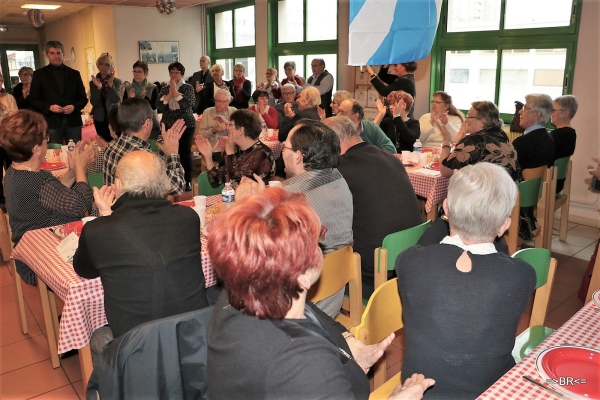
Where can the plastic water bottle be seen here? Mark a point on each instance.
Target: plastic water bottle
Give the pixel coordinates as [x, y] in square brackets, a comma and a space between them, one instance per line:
[417, 146]
[71, 145]
[228, 196]
[265, 131]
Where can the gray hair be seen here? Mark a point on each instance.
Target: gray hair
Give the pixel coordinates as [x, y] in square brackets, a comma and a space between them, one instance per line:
[541, 103]
[54, 44]
[223, 92]
[342, 126]
[219, 66]
[480, 199]
[488, 112]
[313, 95]
[341, 95]
[207, 57]
[289, 85]
[568, 102]
[143, 174]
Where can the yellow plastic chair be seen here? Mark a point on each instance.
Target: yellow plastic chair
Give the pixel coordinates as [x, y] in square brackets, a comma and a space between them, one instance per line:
[340, 267]
[203, 187]
[561, 170]
[545, 267]
[382, 317]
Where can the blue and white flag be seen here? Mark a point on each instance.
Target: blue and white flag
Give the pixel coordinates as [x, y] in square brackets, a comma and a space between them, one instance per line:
[391, 31]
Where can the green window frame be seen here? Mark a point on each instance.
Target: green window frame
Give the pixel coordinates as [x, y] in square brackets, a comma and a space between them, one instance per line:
[502, 40]
[4, 65]
[302, 48]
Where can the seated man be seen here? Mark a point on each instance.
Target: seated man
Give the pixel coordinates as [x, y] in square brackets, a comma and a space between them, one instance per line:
[145, 249]
[536, 147]
[135, 118]
[288, 94]
[369, 132]
[384, 200]
[307, 103]
[461, 299]
[214, 119]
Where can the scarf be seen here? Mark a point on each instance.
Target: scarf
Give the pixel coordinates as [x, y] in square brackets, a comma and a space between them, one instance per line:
[238, 86]
[104, 82]
[174, 104]
[138, 87]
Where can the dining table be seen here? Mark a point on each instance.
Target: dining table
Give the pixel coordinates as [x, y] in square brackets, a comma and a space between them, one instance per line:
[582, 329]
[83, 310]
[431, 186]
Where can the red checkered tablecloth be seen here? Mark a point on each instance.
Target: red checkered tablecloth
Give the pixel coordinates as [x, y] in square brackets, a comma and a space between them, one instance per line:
[434, 188]
[583, 329]
[275, 145]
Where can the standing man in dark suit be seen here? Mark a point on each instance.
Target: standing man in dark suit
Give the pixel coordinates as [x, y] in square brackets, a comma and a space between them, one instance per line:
[323, 81]
[198, 80]
[58, 93]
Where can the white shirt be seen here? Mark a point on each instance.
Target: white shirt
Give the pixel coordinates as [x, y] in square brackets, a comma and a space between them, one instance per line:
[479, 248]
[325, 86]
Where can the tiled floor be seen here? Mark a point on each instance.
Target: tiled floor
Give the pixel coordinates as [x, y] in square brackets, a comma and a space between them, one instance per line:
[26, 371]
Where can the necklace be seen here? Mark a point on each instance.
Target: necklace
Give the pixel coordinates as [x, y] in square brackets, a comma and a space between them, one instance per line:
[22, 166]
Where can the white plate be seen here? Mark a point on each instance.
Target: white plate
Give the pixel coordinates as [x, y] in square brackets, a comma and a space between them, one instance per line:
[596, 297]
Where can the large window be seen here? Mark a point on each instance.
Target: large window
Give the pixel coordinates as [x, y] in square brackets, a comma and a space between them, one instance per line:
[231, 38]
[303, 30]
[501, 50]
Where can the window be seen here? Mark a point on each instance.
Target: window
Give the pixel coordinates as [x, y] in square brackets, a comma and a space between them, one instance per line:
[231, 38]
[501, 50]
[301, 31]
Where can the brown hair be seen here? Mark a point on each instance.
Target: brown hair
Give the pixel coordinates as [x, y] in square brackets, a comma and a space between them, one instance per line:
[20, 132]
[447, 99]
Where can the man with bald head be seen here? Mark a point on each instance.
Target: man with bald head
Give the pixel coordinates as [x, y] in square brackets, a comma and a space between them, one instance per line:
[145, 249]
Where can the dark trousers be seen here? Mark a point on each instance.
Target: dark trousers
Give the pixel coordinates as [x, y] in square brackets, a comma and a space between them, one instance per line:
[185, 152]
[63, 134]
[4, 163]
[102, 130]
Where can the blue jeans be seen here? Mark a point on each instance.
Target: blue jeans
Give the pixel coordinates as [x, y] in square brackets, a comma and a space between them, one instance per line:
[63, 134]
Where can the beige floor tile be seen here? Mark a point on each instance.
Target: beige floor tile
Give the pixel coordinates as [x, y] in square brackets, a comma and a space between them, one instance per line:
[32, 380]
[562, 314]
[72, 368]
[586, 254]
[10, 331]
[579, 241]
[63, 393]
[565, 248]
[21, 354]
[586, 231]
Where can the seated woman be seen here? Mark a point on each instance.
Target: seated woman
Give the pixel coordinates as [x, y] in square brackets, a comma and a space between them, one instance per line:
[338, 98]
[564, 135]
[251, 156]
[263, 331]
[484, 141]
[34, 198]
[115, 131]
[461, 299]
[266, 114]
[402, 130]
[443, 120]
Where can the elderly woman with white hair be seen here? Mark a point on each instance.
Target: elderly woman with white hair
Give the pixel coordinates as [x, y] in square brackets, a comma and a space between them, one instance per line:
[461, 299]
[564, 135]
[105, 93]
[307, 102]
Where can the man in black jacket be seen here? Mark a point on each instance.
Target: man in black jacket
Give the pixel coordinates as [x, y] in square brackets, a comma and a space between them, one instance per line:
[58, 93]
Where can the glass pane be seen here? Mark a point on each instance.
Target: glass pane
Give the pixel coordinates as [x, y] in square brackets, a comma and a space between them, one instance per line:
[537, 13]
[530, 71]
[298, 59]
[244, 26]
[290, 25]
[17, 60]
[321, 20]
[330, 65]
[250, 64]
[227, 65]
[466, 16]
[470, 76]
[224, 30]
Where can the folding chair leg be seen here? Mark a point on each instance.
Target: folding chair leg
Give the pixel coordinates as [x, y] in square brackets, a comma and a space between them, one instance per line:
[50, 329]
[20, 299]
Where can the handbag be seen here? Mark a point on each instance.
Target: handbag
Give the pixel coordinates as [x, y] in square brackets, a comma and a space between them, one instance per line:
[514, 124]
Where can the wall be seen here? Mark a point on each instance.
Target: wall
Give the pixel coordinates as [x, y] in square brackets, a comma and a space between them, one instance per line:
[133, 24]
[20, 35]
[68, 31]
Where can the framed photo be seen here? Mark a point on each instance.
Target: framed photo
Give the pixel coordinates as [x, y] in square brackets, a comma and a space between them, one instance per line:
[159, 52]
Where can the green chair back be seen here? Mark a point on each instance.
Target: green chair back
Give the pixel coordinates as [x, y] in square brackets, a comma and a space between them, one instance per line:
[395, 243]
[530, 192]
[52, 146]
[562, 164]
[539, 259]
[95, 180]
[153, 145]
[204, 187]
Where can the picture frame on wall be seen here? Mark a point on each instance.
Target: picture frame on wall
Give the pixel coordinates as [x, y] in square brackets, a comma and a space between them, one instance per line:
[154, 52]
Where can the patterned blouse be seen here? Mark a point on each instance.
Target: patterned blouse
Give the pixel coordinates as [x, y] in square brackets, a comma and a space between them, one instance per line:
[188, 99]
[257, 159]
[489, 145]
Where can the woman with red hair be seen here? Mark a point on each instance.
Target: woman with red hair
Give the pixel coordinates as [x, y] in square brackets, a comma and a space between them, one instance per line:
[264, 339]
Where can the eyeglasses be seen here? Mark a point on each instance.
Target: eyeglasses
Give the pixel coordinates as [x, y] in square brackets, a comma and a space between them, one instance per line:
[284, 93]
[437, 102]
[558, 109]
[289, 148]
[525, 108]
[470, 117]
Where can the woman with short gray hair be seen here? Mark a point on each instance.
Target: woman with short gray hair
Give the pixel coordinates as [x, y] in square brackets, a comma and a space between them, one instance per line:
[461, 283]
[484, 141]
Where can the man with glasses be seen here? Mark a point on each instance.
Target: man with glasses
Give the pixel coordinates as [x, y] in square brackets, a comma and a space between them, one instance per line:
[214, 119]
[288, 95]
[323, 81]
[198, 80]
[369, 132]
[536, 147]
[307, 104]
[58, 93]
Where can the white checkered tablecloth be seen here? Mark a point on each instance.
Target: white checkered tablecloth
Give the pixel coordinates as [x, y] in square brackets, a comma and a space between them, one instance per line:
[433, 188]
[83, 311]
[583, 329]
[275, 145]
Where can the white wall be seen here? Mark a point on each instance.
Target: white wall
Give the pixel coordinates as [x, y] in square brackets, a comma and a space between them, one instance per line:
[20, 35]
[133, 24]
[68, 31]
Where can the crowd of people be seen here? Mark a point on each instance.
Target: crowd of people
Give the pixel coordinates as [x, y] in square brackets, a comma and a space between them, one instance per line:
[341, 185]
